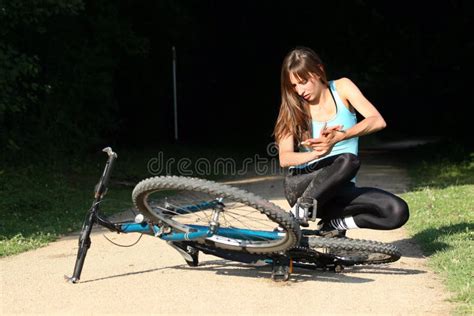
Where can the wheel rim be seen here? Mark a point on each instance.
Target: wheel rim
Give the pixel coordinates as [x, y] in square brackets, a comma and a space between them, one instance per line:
[240, 225]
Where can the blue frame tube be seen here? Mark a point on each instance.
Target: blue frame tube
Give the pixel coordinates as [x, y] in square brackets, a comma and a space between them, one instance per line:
[241, 233]
[186, 236]
[145, 228]
[202, 232]
[136, 228]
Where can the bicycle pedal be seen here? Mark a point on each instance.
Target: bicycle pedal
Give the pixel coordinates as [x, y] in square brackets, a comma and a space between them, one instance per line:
[281, 273]
[281, 269]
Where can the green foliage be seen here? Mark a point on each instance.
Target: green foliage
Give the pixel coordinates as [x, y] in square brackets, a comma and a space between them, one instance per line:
[20, 22]
[35, 12]
[38, 205]
[17, 71]
[442, 216]
[58, 61]
[21, 85]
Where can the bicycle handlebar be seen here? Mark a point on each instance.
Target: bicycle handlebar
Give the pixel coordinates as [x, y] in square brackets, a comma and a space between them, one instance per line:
[104, 180]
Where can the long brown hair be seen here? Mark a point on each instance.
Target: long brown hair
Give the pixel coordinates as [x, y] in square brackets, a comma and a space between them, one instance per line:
[295, 118]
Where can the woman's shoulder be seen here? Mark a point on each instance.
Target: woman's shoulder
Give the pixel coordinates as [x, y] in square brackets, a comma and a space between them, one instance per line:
[344, 86]
[343, 83]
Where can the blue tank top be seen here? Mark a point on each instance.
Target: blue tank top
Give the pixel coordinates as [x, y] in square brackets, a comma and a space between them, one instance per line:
[342, 117]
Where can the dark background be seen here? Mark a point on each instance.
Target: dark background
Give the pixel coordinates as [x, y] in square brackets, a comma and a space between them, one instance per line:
[78, 74]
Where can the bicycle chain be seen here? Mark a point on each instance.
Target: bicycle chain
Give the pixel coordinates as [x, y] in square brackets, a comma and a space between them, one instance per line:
[304, 253]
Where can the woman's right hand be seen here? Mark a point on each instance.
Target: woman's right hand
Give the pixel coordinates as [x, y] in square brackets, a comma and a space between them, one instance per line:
[324, 144]
[318, 146]
[321, 146]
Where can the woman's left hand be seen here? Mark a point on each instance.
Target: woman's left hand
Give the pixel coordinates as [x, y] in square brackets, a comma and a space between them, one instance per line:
[331, 133]
[328, 138]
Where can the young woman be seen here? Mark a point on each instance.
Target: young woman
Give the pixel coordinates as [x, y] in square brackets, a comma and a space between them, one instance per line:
[317, 133]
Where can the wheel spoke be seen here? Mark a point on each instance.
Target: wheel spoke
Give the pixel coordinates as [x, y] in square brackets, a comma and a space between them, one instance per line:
[246, 222]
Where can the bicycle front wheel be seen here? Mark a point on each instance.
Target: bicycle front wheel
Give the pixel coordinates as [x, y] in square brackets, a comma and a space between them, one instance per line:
[246, 221]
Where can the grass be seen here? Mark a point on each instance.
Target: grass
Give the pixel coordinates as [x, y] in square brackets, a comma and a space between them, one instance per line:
[442, 216]
[41, 201]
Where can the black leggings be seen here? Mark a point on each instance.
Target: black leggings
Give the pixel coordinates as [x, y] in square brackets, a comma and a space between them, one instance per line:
[329, 182]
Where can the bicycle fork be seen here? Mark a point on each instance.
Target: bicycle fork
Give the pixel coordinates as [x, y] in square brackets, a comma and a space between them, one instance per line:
[92, 217]
[84, 245]
[214, 224]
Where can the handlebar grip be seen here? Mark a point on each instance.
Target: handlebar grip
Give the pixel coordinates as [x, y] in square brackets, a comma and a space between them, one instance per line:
[110, 152]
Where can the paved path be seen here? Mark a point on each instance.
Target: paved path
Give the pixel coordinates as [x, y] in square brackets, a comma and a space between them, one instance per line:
[151, 278]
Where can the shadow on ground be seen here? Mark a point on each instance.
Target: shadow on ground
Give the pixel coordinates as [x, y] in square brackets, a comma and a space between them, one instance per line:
[408, 247]
[431, 238]
[230, 268]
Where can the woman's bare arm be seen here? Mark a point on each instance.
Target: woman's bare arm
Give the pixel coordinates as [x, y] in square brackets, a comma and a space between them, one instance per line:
[373, 120]
[288, 157]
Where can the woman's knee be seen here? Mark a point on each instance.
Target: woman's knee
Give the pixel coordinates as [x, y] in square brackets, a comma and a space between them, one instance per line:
[399, 213]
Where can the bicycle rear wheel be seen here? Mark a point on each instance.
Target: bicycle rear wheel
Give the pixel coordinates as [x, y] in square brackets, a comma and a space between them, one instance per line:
[247, 222]
[355, 251]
